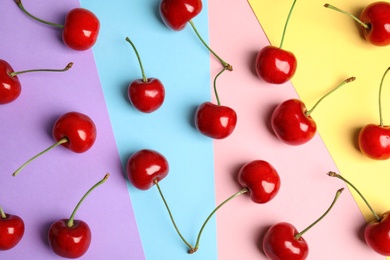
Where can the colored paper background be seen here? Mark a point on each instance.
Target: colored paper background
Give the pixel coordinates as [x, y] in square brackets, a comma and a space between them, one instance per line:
[203, 172]
[329, 48]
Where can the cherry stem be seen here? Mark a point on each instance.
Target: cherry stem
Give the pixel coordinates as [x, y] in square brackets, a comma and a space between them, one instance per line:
[308, 112]
[333, 174]
[224, 63]
[244, 190]
[366, 26]
[69, 224]
[63, 140]
[338, 193]
[2, 214]
[285, 25]
[380, 94]
[144, 78]
[215, 86]
[171, 216]
[68, 66]
[20, 5]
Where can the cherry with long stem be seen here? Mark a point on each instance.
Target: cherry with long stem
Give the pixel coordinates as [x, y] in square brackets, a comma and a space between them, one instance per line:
[224, 63]
[333, 174]
[67, 67]
[348, 80]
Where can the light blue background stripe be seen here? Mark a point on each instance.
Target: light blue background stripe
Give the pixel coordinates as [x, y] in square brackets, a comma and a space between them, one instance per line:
[182, 63]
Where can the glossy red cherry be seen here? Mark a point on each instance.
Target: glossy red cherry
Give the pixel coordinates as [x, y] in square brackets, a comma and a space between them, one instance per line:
[146, 94]
[377, 231]
[283, 241]
[10, 87]
[176, 13]
[145, 168]
[374, 140]
[274, 64]
[261, 179]
[73, 130]
[215, 121]
[292, 122]
[374, 21]
[11, 230]
[71, 238]
[80, 30]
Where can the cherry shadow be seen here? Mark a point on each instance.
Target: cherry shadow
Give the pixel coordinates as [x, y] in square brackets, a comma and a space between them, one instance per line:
[267, 118]
[360, 232]
[355, 137]
[44, 231]
[260, 237]
[252, 61]
[190, 115]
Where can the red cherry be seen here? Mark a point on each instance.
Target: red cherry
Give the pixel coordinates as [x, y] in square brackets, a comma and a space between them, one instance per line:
[73, 130]
[70, 242]
[377, 231]
[261, 179]
[10, 86]
[374, 140]
[145, 168]
[80, 30]
[11, 230]
[292, 123]
[275, 65]
[176, 13]
[215, 121]
[71, 238]
[374, 21]
[146, 94]
[282, 240]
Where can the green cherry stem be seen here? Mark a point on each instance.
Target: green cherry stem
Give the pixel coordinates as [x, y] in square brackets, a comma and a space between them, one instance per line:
[68, 66]
[2, 214]
[242, 191]
[338, 193]
[224, 63]
[63, 140]
[308, 112]
[191, 248]
[286, 23]
[144, 78]
[380, 94]
[333, 174]
[71, 219]
[215, 86]
[20, 5]
[348, 14]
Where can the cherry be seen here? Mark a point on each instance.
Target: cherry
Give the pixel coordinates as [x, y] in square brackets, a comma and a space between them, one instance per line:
[11, 230]
[282, 240]
[377, 231]
[261, 179]
[374, 22]
[80, 30]
[10, 87]
[176, 13]
[146, 168]
[292, 122]
[71, 238]
[215, 121]
[73, 130]
[274, 64]
[374, 140]
[146, 94]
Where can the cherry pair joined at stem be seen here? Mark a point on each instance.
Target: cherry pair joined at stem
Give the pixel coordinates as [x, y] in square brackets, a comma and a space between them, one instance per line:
[147, 168]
